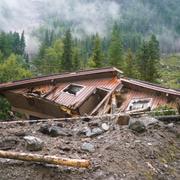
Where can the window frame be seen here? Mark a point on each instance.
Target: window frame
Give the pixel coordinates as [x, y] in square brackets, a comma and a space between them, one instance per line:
[73, 84]
[139, 99]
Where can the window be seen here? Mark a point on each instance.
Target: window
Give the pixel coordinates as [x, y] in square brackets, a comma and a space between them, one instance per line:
[73, 89]
[138, 104]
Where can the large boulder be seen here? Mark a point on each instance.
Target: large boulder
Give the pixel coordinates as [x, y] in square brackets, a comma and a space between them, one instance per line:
[33, 143]
[54, 131]
[137, 126]
[142, 123]
[148, 121]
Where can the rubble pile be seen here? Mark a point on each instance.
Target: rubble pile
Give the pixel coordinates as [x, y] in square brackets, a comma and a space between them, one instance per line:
[143, 148]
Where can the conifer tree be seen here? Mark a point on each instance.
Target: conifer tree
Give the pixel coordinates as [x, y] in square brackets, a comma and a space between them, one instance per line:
[96, 60]
[16, 43]
[67, 64]
[76, 59]
[116, 48]
[130, 66]
[143, 61]
[22, 44]
[154, 56]
[148, 60]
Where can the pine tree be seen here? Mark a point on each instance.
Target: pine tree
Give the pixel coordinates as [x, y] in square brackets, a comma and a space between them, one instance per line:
[96, 60]
[130, 66]
[16, 43]
[22, 44]
[116, 48]
[76, 59]
[154, 57]
[1, 57]
[148, 60]
[143, 61]
[67, 64]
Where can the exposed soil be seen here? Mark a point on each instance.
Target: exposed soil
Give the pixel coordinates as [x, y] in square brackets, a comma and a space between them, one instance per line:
[119, 153]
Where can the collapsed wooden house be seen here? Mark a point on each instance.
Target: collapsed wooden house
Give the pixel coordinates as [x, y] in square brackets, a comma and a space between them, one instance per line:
[90, 92]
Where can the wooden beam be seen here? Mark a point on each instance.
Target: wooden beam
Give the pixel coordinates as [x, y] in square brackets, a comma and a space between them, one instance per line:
[78, 163]
[105, 107]
[104, 100]
[113, 103]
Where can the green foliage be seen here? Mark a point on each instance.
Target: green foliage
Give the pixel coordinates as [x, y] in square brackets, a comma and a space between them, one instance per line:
[115, 48]
[96, 59]
[164, 110]
[170, 71]
[50, 62]
[12, 43]
[4, 108]
[76, 59]
[12, 69]
[67, 62]
[130, 69]
[148, 60]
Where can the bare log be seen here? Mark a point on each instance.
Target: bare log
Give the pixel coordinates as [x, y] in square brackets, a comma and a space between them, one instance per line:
[78, 163]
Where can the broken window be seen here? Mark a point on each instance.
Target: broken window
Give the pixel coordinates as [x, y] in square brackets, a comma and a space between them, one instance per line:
[138, 104]
[73, 89]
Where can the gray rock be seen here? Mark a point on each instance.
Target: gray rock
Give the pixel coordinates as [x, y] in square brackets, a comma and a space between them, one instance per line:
[170, 125]
[88, 147]
[7, 143]
[90, 132]
[96, 132]
[85, 131]
[105, 127]
[137, 126]
[54, 131]
[171, 128]
[45, 129]
[149, 121]
[146, 120]
[33, 143]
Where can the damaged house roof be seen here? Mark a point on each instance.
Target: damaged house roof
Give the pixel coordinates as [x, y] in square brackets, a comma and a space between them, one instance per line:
[83, 92]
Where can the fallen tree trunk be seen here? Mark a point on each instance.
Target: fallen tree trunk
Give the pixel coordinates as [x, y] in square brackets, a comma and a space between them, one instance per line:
[45, 159]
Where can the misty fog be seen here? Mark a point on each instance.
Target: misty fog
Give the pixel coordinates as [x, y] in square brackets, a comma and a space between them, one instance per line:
[91, 16]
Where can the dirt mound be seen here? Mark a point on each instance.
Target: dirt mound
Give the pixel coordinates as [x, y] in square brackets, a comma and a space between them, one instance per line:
[116, 152]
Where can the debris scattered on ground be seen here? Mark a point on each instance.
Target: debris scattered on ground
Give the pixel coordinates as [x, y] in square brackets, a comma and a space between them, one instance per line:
[115, 152]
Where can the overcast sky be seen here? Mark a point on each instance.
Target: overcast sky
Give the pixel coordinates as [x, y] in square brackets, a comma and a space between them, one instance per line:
[28, 14]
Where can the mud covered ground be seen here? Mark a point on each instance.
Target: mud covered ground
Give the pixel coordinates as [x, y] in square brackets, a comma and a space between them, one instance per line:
[120, 153]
